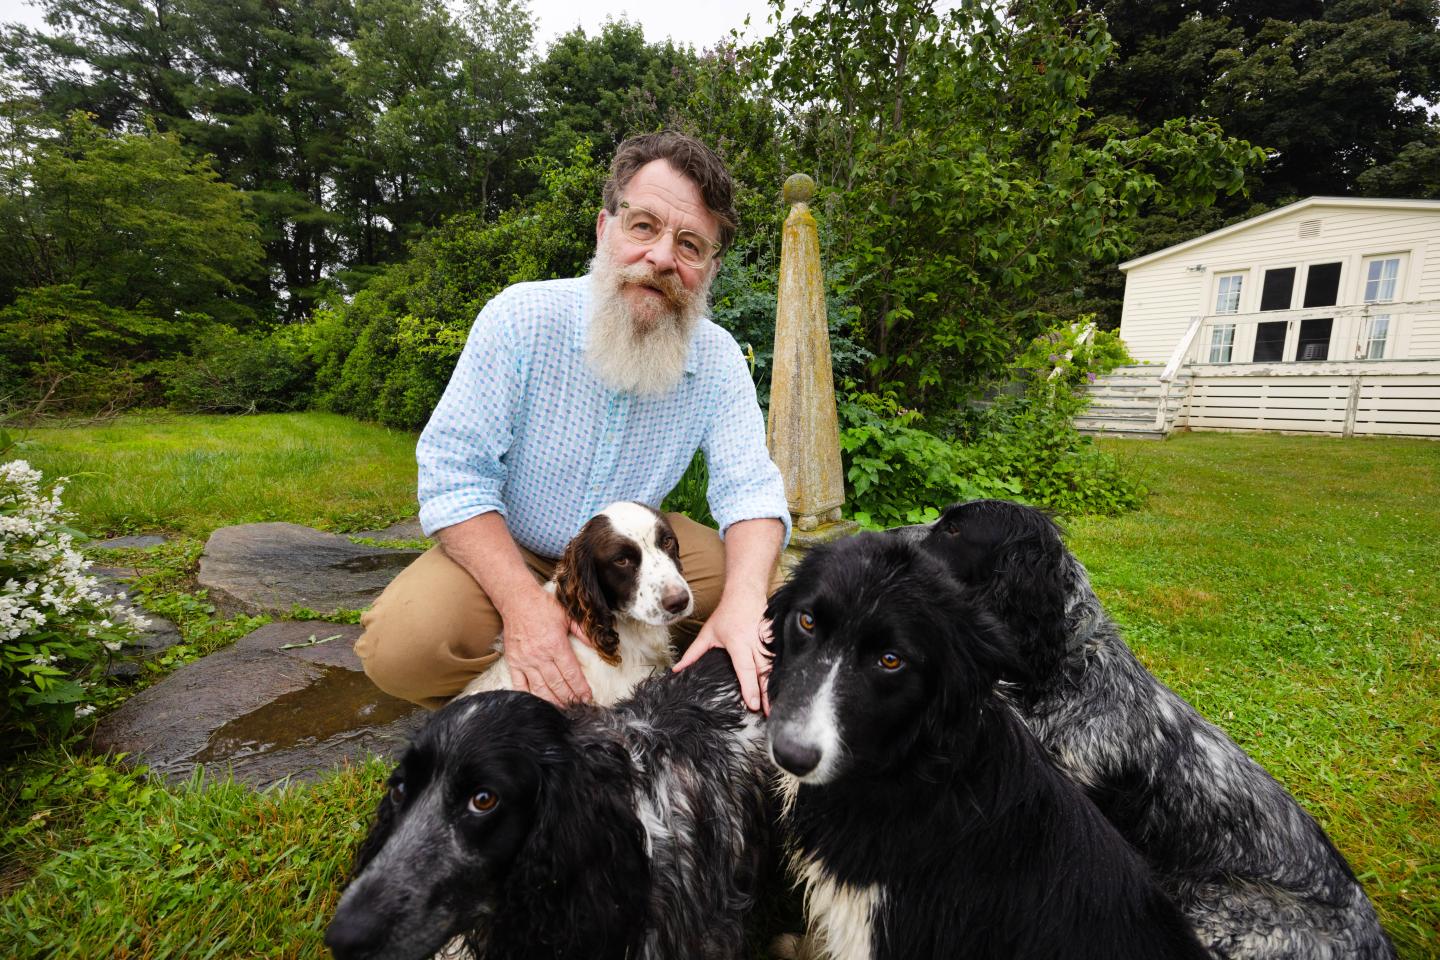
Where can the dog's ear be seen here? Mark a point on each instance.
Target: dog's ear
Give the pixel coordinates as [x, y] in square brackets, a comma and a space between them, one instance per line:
[577, 587]
[585, 854]
[1029, 594]
[380, 830]
[777, 611]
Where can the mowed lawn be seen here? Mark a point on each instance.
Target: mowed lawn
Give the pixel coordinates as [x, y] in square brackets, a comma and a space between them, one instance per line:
[1284, 585]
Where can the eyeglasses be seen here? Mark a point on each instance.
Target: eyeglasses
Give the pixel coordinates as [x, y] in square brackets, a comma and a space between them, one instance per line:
[645, 228]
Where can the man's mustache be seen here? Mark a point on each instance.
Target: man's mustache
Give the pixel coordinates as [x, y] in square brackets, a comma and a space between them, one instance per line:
[668, 284]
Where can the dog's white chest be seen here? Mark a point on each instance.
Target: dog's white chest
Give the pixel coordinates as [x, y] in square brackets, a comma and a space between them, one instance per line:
[842, 917]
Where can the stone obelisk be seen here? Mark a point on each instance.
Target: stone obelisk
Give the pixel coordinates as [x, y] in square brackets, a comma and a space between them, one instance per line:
[803, 430]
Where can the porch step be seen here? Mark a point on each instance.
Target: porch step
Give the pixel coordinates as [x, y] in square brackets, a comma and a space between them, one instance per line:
[1125, 403]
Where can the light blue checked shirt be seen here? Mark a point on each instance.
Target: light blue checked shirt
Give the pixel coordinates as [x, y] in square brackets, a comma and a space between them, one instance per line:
[525, 428]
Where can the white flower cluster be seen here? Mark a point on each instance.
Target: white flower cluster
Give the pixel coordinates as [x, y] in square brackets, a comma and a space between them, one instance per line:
[44, 579]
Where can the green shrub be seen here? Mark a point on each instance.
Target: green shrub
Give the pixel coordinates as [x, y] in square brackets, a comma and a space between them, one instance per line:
[1023, 446]
[233, 372]
[56, 626]
[900, 473]
[62, 349]
[1030, 435]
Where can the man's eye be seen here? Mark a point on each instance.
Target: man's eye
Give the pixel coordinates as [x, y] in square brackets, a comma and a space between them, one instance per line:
[690, 246]
[642, 226]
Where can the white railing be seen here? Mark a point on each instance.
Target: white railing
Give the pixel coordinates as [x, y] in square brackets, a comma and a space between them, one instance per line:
[1356, 332]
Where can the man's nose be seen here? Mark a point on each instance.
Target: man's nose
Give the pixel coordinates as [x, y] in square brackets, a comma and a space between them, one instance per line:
[661, 253]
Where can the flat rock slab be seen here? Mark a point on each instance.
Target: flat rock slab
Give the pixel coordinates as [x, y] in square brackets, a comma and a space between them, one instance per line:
[404, 530]
[272, 567]
[154, 639]
[287, 702]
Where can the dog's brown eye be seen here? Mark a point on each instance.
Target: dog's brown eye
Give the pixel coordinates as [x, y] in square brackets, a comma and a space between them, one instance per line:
[483, 801]
[621, 561]
[891, 660]
[806, 621]
[397, 792]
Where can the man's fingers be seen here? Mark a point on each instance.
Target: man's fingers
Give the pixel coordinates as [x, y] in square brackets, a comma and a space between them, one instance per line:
[574, 679]
[749, 685]
[697, 649]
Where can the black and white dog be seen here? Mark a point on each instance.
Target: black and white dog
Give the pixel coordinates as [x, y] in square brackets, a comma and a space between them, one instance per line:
[620, 579]
[924, 820]
[632, 832]
[1255, 874]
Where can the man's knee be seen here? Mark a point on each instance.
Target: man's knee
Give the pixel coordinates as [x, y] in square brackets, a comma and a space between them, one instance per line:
[429, 633]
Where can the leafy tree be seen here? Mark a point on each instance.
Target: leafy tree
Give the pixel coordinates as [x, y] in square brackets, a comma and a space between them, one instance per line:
[959, 176]
[1332, 88]
[133, 220]
[387, 354]
[604, 88]
[124, 249]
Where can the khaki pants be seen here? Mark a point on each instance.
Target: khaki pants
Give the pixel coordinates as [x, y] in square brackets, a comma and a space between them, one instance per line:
[434, 629]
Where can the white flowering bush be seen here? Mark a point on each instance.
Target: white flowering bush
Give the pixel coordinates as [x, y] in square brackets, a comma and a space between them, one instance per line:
[57, 628]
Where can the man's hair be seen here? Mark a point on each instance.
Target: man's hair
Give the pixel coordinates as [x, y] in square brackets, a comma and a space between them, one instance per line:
[690, 158]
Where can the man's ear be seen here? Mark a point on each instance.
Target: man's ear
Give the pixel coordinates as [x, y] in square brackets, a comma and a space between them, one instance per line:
[600, 224]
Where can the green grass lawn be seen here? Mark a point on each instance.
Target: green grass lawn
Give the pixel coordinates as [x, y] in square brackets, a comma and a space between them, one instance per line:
[1284, 585]
[191, 474]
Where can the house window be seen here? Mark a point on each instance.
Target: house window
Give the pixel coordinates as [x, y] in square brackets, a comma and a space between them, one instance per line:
[1279, 285]
[1314, 343]
[1270, 341]
[1379, 332]
[1381, 277]
[1322, 285]
[1227, 293]
[1222, 342]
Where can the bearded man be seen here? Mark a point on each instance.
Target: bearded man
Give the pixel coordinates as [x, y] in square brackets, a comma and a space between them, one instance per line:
[570, 395]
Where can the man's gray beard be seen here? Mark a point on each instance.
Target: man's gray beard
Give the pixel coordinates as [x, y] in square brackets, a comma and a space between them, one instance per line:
[632, 353]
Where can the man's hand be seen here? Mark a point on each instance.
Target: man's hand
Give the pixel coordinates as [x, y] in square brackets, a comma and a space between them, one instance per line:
[538, 651]
[738, 628]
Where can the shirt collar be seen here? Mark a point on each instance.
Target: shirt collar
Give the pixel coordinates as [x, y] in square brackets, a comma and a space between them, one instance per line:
[692, 358]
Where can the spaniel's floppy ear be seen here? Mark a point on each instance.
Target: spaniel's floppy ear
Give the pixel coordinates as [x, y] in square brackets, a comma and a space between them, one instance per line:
[380, 831]
[577, 587]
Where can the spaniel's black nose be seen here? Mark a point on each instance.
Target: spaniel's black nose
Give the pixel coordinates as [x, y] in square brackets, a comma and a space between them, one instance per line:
[795, 756]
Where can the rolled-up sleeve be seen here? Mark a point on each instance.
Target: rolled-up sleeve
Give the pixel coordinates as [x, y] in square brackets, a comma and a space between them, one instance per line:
[745, 484]
[461, 453]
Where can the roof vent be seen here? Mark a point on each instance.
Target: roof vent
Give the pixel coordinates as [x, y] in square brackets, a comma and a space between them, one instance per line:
[1309, 228]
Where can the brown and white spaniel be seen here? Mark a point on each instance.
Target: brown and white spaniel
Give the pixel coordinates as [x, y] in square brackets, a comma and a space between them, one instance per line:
[620, 580]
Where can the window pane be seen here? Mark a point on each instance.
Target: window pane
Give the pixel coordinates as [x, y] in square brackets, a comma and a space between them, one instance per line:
[1322, 285]
[1379, 333]
[1270, 341]
[1314, 341]
[1380, 279]
[1227, 296]
[1222, 342]
[1275, 295]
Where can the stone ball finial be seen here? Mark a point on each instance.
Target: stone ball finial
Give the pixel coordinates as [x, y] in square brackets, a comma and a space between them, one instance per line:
[799, 188]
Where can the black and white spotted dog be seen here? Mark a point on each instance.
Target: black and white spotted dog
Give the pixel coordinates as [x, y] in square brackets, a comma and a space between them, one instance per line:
[634, 832]
[1255, 874]
[924, 819]
[620, 580]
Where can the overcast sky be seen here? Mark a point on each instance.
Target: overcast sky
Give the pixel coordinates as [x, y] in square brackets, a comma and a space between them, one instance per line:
[697, 22]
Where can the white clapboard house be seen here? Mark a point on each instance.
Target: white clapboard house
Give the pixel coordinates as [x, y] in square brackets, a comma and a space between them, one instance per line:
[1319, 317]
